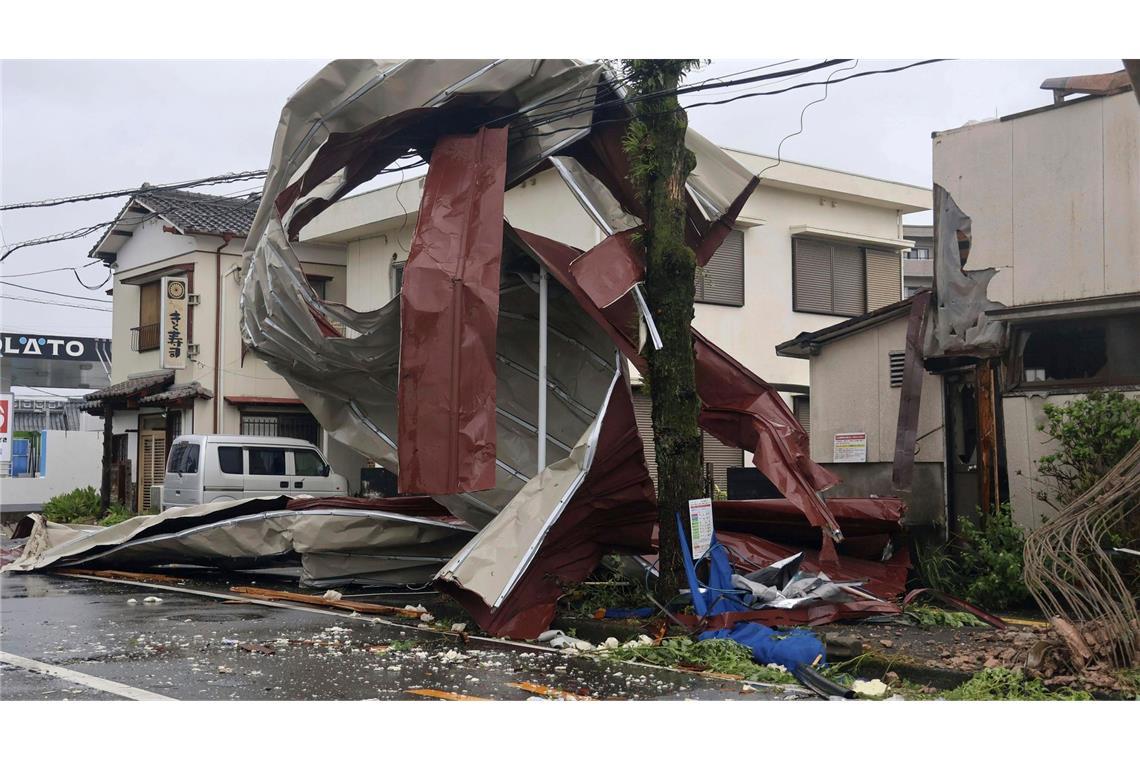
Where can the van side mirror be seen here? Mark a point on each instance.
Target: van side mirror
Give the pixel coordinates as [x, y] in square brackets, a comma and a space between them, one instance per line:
[325, 470]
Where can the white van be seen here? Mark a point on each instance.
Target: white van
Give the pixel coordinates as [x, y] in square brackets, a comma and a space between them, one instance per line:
[209, 468]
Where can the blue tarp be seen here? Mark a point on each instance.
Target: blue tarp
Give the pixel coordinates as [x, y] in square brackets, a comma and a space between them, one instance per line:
[795, 648]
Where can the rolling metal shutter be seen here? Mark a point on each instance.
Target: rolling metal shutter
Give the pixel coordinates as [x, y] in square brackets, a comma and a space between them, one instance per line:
[884, 278]
[848, 281]
[643, 411]
[721, 281]
[721, 457]
[811, 279]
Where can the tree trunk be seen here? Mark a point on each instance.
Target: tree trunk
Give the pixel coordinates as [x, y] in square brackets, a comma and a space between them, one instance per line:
[660, 164]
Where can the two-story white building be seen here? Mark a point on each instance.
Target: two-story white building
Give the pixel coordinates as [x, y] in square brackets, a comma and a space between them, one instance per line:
[811, 247]
[222, 388]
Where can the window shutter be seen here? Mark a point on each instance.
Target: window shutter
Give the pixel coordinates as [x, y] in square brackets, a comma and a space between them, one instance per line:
[721, 281]
[812, 276]
[848, 281]
[721, 457]
[884, 278]
[897, 360]
[643, 412]
[801, 407]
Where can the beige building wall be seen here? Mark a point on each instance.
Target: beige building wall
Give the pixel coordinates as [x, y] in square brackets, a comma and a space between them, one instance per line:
[851, 393]
[1054, 197]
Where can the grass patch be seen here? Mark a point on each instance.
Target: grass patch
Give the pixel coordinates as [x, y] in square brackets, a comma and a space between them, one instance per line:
[1005, 684]
[934, 617]
[717, 655]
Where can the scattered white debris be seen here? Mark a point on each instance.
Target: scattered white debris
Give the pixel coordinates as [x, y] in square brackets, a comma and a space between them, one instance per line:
[458, 627]
[610, 643]
[872, 688]
[338, 629]
[152, 600]
[453, 656]
[427, 617]
[224, 669]
[394, 667]
[746, 689]
[415, 608]
[132, 601]
[332, 596]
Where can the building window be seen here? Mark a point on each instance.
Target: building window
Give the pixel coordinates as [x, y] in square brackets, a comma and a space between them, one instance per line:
[1089, 352]
[145, 337]
[721, 280]
[842, 279]
[801, 408]
[318, 284]
[397, 277]
[282, 425]
[918, 253]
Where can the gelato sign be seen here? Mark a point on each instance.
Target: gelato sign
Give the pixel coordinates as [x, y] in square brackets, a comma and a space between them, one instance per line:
[175, 310]
[55, 347]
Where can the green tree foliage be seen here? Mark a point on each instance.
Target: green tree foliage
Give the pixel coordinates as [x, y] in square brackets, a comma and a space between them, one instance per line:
[984, 565]
[1092, 435]
[83, 506]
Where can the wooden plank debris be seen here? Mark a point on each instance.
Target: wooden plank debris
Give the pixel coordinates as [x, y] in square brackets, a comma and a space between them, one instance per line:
[320, 601]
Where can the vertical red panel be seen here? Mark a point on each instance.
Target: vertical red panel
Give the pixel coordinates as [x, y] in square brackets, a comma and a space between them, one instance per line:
[449, 311]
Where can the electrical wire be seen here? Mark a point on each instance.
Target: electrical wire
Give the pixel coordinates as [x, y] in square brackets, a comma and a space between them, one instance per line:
[217, 179]
[780, 147]
[53, 303]
[54, 293]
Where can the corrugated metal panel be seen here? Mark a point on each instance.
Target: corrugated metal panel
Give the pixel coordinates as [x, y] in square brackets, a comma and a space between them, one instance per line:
[884, 278]
[812, 276]
[643, 411]
[721, 281]
[722, 457]
[848, 278]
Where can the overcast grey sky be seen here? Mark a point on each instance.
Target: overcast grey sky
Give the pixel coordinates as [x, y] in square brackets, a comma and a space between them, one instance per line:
[73, 127]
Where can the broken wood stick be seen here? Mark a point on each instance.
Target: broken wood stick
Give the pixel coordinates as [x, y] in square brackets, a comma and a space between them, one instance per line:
[123, 575]
[548, 691]
[1073, 639]
[450, 696]
[320, 601]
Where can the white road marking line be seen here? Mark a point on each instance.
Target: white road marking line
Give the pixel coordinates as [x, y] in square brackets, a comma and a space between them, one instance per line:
[91, 682]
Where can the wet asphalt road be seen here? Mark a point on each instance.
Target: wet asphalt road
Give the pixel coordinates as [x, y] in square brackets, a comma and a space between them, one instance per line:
[194, 648]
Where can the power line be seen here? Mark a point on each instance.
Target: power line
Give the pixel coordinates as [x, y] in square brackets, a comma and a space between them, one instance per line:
[49, 271]
[218, 179]
[54, 293]
[780, 147]
[53, 303]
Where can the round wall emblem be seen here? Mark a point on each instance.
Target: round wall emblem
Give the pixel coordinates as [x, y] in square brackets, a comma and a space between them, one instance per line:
[176, 289]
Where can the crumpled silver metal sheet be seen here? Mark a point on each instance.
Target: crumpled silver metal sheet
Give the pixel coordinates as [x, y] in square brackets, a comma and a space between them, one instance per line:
[349, 384]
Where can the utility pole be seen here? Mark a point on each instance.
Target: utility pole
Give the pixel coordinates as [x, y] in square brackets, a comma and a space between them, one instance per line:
[659, 165]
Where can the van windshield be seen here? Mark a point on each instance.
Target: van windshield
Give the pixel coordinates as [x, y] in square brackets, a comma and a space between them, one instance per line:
[183, 458]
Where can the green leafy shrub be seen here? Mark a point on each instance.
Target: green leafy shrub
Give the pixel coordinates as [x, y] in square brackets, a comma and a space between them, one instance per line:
[984, 566]
[78, 506]
[1092, 435]
[718, 655]
[83, 506]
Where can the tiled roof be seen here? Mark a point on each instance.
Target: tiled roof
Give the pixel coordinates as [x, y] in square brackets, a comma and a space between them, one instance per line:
[199, 212]
[149, 383]
[176, 393]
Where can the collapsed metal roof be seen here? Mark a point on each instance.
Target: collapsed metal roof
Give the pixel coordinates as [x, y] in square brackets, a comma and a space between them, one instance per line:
[495, 381]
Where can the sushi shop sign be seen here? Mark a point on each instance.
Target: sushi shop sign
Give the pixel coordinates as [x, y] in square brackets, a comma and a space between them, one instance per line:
[175, 307]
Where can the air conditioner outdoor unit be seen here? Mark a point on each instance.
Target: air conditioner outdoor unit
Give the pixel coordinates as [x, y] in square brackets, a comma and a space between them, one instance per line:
[156, 497]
